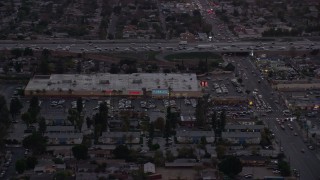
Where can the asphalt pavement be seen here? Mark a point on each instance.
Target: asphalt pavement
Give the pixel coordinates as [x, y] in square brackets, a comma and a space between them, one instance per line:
[307, 162]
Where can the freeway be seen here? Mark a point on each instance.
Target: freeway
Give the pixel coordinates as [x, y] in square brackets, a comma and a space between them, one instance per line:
[107, 46]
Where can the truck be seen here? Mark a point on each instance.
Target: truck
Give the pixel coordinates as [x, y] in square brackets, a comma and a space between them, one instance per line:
[204, 46]
[183, 43]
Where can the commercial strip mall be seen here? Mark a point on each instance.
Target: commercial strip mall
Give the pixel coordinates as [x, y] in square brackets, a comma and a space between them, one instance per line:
[157, 85]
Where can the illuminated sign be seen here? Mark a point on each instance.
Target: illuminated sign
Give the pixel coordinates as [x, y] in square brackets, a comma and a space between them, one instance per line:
[160, 91]
[204, 83]
[134, 92]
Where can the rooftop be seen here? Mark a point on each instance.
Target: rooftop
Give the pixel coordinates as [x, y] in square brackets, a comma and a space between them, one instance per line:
[106, 81]
[241, 134]
[195, 133]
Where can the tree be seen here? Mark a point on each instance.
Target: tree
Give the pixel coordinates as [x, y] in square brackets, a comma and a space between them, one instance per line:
[79, 105]
[28, 52]
[4, 120]
[203, 142]
[63, 175]
[15, 106]
[223, 117]
[231, 166]
[284, 167]
[20, 166]
[121, 152]
[88, 122]
[26, 118]
[79, 122]
[151, 131]
[202, 66]
[44, 66]
[72, 116]
[80, 151]
[31, 162]
[17, 52]
[214, 120]
[35, 142]
[159, 124]
[200, 112]
[239, 80]
[158, 158]
[186, 152]
[235, 13]
[34, 108]
[169, 156]
[42, 125]
[221, 151]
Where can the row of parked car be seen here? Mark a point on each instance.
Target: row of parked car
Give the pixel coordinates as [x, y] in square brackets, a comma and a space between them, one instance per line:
[6, 163]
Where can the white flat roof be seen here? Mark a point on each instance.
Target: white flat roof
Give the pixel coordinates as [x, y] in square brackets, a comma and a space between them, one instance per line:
[109, 82]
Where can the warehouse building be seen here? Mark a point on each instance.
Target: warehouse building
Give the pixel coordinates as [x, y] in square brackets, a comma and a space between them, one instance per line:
[157, 85]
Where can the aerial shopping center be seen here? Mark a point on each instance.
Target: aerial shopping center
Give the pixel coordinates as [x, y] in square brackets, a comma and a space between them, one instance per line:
[158, 85]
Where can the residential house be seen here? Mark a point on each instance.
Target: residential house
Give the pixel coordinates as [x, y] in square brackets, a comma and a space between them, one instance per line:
[120, 138]
[100, 153]
[64, 138]
[242, 137]
[67, 135]
[239, 134]
[194, 137]
[209, 174]
[182, 163]
[60, 129]
[48, 166]
[41, 176]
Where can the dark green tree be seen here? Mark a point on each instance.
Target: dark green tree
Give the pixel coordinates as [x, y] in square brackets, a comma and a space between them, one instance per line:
[20, 166]
[4, 121]
[31, 162]
[28, 52]
[222, 120]
[72, 116]
[42, 125]
[201, 111]
[63, 175]
[221, 151]
[80, 151]
[26, 118]
[79, 105]
[151, 131]
[88, 122]
[231, 166]
[36, 143]
[17, 52]
[284, 168]
[34, 108]
[121, 152]
[15, 107]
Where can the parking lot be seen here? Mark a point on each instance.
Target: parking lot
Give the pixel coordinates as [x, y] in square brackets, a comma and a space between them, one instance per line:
[57, 108]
